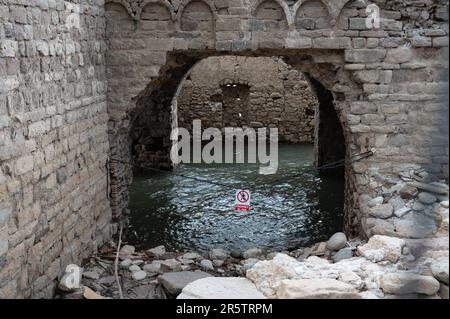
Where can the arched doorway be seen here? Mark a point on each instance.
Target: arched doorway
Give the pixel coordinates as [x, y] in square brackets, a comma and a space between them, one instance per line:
[194, 215]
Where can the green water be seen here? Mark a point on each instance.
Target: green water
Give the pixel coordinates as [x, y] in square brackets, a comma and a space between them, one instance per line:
[183, 214]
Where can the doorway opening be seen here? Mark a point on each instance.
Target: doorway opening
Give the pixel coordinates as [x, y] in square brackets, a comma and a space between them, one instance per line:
[288, 211]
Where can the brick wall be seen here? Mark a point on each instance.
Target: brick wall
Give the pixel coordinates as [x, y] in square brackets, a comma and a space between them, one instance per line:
[54, 207]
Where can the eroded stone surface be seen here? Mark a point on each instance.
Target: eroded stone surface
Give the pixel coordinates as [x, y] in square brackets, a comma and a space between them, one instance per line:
[221, 288]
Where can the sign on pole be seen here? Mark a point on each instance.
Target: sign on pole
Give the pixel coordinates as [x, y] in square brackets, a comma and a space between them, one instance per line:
[242, 201]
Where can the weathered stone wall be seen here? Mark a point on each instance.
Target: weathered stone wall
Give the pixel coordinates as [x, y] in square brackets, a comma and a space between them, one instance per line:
[389, 84]
[54, 207]
[266, 92]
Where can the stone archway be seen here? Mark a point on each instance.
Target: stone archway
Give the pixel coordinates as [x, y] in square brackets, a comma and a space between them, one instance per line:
[364, 70]
[149, 124]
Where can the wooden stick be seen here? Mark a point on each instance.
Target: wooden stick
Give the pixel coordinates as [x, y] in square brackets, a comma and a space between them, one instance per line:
[116, 263]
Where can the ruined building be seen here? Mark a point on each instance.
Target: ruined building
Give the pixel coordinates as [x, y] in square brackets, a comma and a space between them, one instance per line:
[77, 78]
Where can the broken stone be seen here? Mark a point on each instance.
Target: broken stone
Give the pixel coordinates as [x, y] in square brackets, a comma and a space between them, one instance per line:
[134, 268]
[191, 256]
[376, 201]
[316, 289]
[427, 198]
[443, 291]
[174, 282]
[408, 192]
[439, 269]
[402, 212]
[337, 241]
[153, 268]
[88, 293]
[218, 254]
[415, 225]
[418, 206]
[430, 188]
[138, 262]
[126, 263]
[236, 253]
[351, 278]
[139, 275]
[221, 288]
[382, 248]
[156, 252]
[207, 264]
[170, 265]
[402, 283]
[445, 204]
[252, 253]
[126, 251]
[94, 275]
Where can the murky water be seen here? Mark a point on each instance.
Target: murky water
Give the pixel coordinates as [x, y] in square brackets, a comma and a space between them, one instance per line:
[188, 215]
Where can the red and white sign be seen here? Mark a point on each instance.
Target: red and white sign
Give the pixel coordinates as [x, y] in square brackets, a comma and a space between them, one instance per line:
[242, 201]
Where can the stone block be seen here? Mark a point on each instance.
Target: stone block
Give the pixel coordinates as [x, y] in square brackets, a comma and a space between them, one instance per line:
[365, 55]
[373, 76]
[8, 48]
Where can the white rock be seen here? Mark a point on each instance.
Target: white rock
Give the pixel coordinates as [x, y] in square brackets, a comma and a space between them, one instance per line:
[382, 248]
[174, 282]
[351, 278]
[403, 283]
[337, 241]
[221, 288]
[368, 295]
[126, 263]
[445, 204]
[439, 269]
[153, 268]
[376, 201]
[139, 275]
[316, 289]
[191, 256]
[268, 275]
[207, 264]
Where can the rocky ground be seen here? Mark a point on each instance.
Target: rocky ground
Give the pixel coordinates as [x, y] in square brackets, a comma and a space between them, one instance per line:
[407, 256]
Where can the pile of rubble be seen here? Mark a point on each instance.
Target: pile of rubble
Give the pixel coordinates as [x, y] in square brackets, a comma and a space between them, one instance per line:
[405, 257]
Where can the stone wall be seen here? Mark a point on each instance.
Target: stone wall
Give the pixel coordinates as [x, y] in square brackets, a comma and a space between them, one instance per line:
[249, 92]
[54, 207]
[388, 83]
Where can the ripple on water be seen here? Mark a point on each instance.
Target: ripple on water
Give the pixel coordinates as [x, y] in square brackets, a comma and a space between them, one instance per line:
[188, 215]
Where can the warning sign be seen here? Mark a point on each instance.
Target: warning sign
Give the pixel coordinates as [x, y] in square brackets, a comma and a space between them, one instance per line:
[242, 201]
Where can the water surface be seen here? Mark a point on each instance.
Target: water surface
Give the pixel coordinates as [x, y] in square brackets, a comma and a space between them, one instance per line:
[287, 212]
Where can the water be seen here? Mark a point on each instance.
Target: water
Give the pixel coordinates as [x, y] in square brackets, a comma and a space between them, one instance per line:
[187, 215]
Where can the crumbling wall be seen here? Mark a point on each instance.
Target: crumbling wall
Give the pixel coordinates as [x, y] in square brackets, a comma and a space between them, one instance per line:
[54, 207]
[388, 82]
[236, 91]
